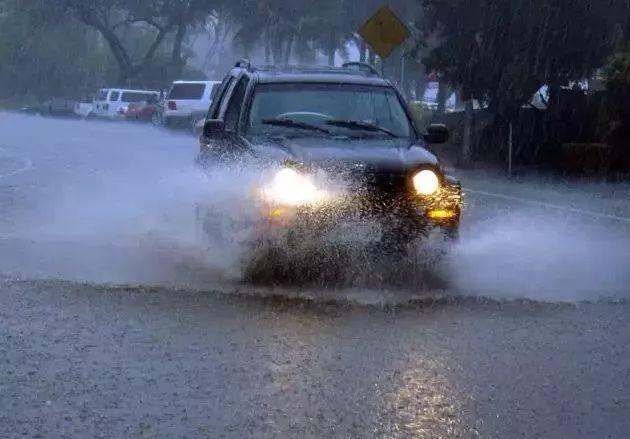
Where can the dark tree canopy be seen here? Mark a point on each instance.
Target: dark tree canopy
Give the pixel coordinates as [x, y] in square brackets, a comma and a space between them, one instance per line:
[503, 51]
[500, 51]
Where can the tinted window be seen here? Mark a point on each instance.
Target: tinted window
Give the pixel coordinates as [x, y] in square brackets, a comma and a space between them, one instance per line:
[129, 96]
[187, 91]
[113, 97]
[102, 95]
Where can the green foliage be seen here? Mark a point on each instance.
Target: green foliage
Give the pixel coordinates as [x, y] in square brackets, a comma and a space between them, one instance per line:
[500, 51]
[46, 54]
[617, 75]
[503, 51]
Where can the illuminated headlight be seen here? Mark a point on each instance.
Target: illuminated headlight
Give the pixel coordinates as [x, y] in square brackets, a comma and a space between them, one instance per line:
[290, 188]
[426, 182]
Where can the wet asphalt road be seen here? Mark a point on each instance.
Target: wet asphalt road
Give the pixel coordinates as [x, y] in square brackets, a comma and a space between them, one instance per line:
[112, 326]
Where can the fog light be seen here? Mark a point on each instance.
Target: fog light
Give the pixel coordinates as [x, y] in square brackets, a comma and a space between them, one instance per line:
[442, 214]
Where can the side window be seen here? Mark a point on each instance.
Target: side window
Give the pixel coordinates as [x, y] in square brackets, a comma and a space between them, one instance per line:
[113, 97]
[236, 103]
[215, 107]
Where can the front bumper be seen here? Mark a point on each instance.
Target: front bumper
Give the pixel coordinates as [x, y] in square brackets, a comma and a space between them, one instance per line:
[401, 217]
[363, 217]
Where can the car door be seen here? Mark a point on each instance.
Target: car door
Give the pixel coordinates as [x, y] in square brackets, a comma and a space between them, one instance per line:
[114, 103]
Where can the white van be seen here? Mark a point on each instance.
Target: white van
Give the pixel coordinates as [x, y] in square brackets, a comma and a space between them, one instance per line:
[188, 101]
[83, 107]
[112, 103]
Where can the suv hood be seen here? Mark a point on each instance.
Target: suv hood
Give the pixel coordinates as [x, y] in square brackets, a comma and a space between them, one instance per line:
[379, 154]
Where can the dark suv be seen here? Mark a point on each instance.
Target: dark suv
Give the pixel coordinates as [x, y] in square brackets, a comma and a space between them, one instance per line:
[343, 150]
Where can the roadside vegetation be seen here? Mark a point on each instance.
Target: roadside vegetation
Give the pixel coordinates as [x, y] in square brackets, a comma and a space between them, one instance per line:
[494, 55]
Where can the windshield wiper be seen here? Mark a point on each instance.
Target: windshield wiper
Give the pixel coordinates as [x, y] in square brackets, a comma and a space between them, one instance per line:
[358, 125]
[291, 123]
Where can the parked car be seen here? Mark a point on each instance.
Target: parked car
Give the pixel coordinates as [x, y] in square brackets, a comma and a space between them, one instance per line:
[54, 107]
[83, 107]
[150, 111]
[187, 102]
[113, 103]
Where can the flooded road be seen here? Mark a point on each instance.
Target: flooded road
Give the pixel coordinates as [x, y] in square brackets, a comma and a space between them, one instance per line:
[115, 323]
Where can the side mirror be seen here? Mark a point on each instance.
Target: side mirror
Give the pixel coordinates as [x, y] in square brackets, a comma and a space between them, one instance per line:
[213, 126]
[436, 133]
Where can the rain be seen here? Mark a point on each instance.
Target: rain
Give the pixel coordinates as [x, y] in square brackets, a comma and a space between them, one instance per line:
[285, 218]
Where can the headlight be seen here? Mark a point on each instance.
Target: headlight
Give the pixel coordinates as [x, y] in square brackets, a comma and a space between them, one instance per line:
[290, 188]
[426, 182]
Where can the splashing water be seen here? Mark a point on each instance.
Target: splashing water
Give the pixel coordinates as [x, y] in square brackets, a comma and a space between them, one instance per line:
[530, 255]
[116, 203]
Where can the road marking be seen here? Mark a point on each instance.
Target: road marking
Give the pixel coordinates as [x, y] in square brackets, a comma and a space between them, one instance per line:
[550, 205]
[27, 164]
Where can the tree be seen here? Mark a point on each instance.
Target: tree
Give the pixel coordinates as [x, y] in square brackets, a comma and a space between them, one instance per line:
[185, 15]
[502, 52]
[155, 20]
[46, 53]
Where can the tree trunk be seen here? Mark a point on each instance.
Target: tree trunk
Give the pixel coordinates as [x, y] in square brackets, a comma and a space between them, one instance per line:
[288, 50]
[467, 142]
[332, 49]
[115, 45]
[268, 47]
[126, 68]
[442, 97]
[177, 60]
[331, 56]
[276, 47]
[421, 86]
[362, 50]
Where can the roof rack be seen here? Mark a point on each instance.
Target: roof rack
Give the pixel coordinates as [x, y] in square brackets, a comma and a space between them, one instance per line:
[362, 67]
[244, 63]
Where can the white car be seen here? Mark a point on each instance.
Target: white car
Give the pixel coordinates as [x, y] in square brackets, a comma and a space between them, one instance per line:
[188, 101]
[83, 107]
[112, 103]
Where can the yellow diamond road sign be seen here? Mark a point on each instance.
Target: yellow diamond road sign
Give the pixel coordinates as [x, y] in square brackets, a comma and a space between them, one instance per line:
[384, 32]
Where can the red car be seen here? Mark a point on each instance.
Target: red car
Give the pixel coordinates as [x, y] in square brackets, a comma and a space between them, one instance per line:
[145, 112]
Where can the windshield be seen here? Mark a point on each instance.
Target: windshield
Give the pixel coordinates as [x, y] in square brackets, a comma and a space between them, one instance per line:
[187, 91]
[341, 109]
